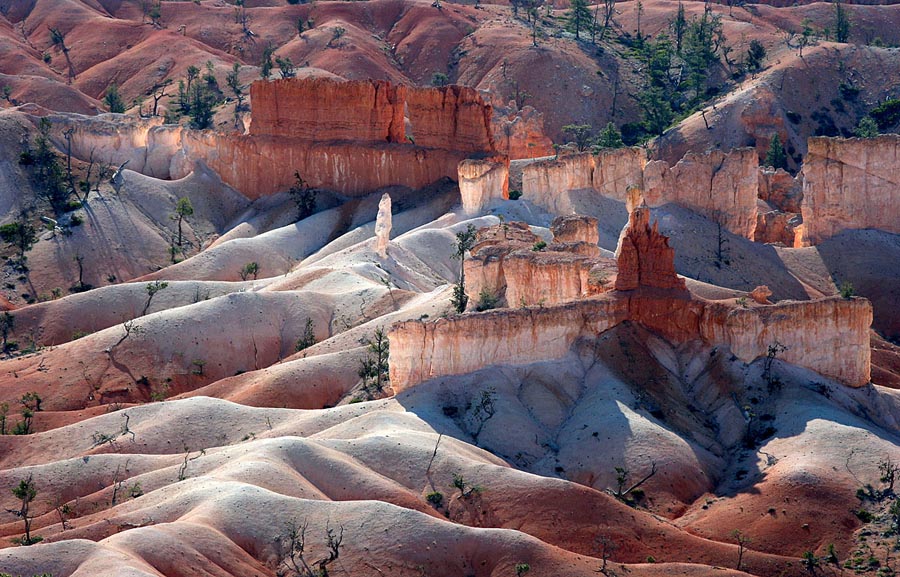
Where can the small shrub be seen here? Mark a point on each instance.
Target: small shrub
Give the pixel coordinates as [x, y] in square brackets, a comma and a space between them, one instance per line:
[539, 246]
[198, 365]
[309, 336]
[864, 516]
[847, 290]
[76, 220]
[435, 499]
[486, 300]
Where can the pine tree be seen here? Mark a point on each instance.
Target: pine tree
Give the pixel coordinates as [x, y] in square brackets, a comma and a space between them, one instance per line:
[579, 17]
[776, 157]
[609, 137]
[841, 22]
[113, 100]
[679, 26]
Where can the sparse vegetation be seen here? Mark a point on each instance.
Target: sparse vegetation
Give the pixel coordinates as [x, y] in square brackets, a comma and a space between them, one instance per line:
[183, 209]
[487, 300]
[113, 100]
[465, 240]
[465, 489]
[249, 269]
[626, 491]
[308, 338]
[294, 562]
[25, 492]
[847, 291]
[152, 289]
[304, 197]
[775, 156]
[374, 367]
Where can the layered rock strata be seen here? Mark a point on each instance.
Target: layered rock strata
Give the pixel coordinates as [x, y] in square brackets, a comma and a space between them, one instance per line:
[480, 182]
[513, 265]
[829, 336]
[323, 110]
[350, 137]
[721, 186]
[850, 184]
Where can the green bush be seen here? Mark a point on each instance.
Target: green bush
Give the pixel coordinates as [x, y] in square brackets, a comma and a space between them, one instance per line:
[886, 114]
[486, 300]
[435, 498]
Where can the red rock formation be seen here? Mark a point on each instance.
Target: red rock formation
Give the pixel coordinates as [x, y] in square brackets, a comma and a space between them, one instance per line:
[850, 184]
[619, 169]
[773, 226]
[345, 136]
[780, 189]
[829, 336]
[716, 184]
[324, 109]
[520, 133]
[451, 118]
[420, 351]
[721, 186]
[481, 181]
[644, 256]
[259, 166]
[761, 295]
[505, 264]
[575, 228]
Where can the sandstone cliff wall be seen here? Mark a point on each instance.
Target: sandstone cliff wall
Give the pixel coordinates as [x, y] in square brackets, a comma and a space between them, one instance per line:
[420, 351]
[615, 171]
[450, 117]
[324, 109]
[520, 133]
[716, 184]
[545, 183]
[255, 165]
[850, 184]
[259, 166]
[828, 336]
[481, 181]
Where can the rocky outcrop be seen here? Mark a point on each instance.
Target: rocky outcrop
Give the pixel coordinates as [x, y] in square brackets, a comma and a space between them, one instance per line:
[644, 256]
[420, 351]
[545, 182]
[781, 190]
[520, 133]
[259, 166]
[618, 170]
[383, 226]
[850, 184]
[450, 117]
[349, 137]
[829, 336]
[481, 181]
[721, 186]
[573, 228]
[325, 109]
[761, 294]
[776, 227]
[514, 267]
